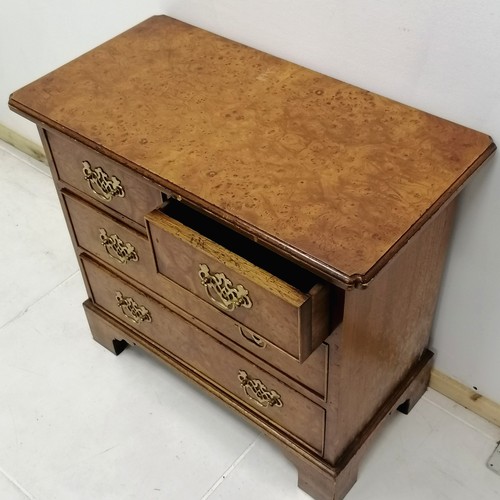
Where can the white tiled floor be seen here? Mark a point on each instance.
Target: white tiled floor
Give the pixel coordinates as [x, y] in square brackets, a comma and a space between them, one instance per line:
[77, 423]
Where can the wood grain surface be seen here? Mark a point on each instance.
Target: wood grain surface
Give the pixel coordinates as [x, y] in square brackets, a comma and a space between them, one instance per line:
[385, 331]
[68, 156]
[179, 252]
[85, 222]
[333, 176]
[210, 358]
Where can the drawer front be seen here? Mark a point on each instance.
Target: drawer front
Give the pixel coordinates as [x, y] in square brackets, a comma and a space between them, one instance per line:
[255, 298]
[270, 398]
[130, 253]
[311, 374]
[113, 242]
[103, 179]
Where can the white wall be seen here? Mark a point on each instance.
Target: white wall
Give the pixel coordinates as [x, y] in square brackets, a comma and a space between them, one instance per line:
[442, 56]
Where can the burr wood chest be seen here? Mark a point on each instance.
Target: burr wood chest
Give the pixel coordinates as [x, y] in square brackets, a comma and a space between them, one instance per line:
[275, 235]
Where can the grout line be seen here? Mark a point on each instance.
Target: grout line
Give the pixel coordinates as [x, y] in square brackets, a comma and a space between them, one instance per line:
[26, 309]
[228, 471]
[468, 424]
[17, 485]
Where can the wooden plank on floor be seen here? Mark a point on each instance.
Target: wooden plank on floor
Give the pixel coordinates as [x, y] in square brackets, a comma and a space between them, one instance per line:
[465, 396]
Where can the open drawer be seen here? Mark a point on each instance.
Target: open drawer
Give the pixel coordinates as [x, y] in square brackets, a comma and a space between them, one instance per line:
[288, 305]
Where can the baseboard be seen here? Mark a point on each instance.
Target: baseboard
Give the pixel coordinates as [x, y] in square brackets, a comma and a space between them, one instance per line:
[465, 396]
[20, 142]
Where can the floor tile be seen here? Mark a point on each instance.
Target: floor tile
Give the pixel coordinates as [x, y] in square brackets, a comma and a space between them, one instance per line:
[35, 250]
[77, 422]
[463, 414]
[263, 474]
[427, 455]
[466, 416]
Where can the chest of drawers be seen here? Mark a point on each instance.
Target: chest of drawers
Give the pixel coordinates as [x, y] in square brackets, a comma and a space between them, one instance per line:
[275, 235]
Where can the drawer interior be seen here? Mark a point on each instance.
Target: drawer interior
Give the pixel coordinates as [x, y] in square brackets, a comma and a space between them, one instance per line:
[283, 303]
[235, 242]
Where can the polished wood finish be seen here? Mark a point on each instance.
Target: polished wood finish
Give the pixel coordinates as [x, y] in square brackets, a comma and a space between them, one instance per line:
[180, 251]
[319, 478]
[333, 206]
[262, 143]
[298, 416]
[85, 223]
[386, 328]
[68, 156]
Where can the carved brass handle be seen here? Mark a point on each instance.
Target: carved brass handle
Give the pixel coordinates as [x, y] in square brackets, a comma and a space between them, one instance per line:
[221, 291]
[101, 183]
[116, 248]
[258, 392]
[130, 308]
[253, 338]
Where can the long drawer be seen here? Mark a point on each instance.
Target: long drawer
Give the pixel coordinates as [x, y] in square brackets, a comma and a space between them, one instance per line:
[262, 291]
[273, 400]
[129, 252]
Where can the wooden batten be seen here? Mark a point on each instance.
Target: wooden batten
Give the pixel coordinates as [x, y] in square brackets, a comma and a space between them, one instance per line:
[22, 143]
[465, 396]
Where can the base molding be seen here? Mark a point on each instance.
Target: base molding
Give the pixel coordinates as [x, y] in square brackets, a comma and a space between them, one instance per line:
[318, 478]
[20, 142]
[465, 396]
[322, 484]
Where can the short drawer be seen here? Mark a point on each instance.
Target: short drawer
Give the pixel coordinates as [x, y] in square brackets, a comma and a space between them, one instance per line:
[106, 238]
[269, 295]
[251, 385]
[103, 179]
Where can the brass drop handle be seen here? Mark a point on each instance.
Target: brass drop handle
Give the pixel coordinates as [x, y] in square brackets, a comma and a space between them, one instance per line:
[116, 248]
[132, 310]
[104, 186]
[253, 338]
[220, 290]
[258, 392]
